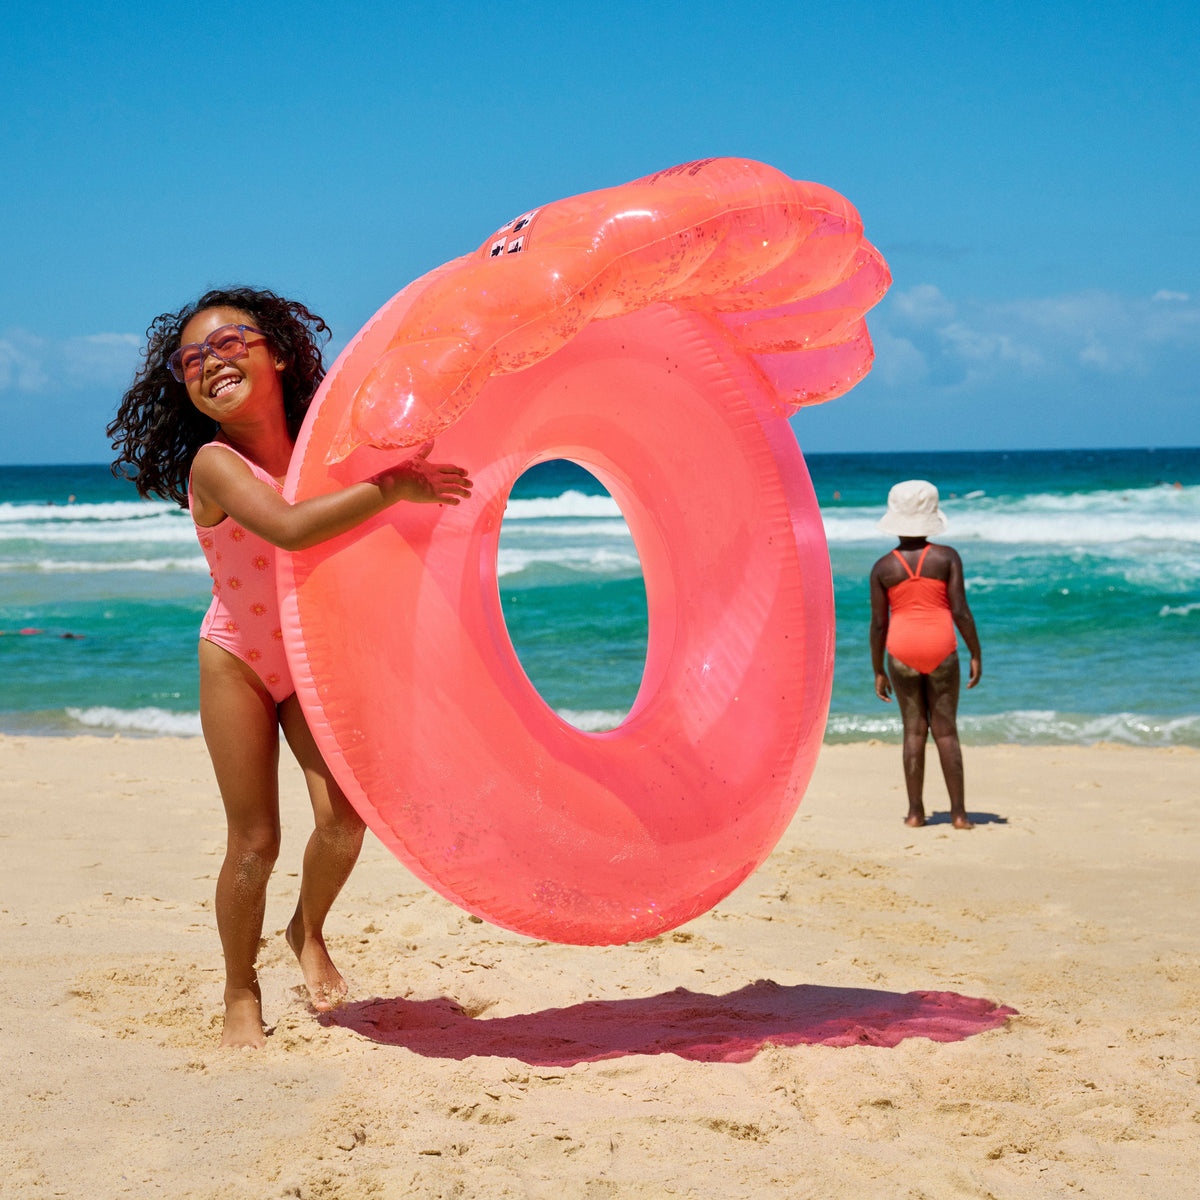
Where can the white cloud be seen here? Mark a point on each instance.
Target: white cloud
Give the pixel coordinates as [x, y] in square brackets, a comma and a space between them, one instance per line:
[21, 356]
[897, 360]
[967, 343]
[923, 305]
[34, 364]
[988, 346]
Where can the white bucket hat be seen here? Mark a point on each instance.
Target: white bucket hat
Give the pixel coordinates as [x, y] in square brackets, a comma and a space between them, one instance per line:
[913, 510]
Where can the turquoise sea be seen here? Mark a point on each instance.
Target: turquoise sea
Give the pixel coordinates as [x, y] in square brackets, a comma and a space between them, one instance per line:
[1082, 568]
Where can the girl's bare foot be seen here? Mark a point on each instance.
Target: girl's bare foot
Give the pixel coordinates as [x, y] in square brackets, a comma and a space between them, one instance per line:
[243, 1028]
[915, 819]
[961, 822]
[326, 987]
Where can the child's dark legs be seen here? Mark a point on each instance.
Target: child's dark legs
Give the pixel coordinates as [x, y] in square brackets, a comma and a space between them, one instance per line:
[329, 858]
[914, 775]
[241, 731]
[930, 702]
[908, 686]
[942, 690]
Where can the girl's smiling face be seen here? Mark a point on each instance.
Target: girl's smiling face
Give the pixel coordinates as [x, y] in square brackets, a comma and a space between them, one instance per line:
[233, 391]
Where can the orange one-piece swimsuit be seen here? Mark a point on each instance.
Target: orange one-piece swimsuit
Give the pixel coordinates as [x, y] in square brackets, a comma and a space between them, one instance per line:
[921, 626]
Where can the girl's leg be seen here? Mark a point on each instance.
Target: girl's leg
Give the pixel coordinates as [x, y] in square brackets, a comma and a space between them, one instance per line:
[329, 857]
[909, 689]
[241, 731]
[942, 688]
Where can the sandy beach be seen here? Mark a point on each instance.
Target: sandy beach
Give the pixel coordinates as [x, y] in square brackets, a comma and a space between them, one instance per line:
[783, 1045]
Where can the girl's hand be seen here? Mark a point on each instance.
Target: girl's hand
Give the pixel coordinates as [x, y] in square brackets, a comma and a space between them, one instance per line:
[422, 482]
[883, 686]
[976, 671]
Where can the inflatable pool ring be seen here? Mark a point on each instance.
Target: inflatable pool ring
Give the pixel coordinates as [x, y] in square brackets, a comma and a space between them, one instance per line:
[659, 334]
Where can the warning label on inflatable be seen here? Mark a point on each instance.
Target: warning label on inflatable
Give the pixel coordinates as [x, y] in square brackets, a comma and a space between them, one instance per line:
[511, 237]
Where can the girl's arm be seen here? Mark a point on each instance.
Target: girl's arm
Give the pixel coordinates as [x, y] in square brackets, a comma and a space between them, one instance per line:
[956, 593]
[222, 485]
[879, 632]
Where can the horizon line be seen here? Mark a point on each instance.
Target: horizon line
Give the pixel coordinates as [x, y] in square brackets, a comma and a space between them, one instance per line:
[807, 453]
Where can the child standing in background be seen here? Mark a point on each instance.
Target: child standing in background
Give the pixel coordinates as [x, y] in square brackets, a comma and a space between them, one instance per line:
[917, 599]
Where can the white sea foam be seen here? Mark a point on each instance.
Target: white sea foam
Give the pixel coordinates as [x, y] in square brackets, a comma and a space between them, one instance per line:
[117, 510]
[160, 528]
[193, 565]
[562, 530]
[856, 726]
[138, 720]
[1178, 610]
[569, 504]
[591, 560]
[1036, 727]
[592, 720]
[1150, 515]
[1023, 727]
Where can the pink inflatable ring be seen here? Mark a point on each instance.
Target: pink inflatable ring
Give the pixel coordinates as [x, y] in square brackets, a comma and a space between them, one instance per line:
[659, 334]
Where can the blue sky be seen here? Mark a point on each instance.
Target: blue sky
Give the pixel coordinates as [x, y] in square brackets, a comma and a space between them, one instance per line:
[1030, 172]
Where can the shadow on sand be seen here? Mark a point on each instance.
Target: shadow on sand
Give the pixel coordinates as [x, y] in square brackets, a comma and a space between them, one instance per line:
[693, 1025]
[978, 818]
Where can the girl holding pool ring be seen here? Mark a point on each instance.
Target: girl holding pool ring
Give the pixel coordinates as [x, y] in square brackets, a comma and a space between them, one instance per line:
[210, 421]
[917, 598]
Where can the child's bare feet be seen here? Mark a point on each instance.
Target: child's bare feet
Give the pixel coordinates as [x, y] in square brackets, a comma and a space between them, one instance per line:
[326, 987]
[915, 819]
[243, 1028]
[961, 822]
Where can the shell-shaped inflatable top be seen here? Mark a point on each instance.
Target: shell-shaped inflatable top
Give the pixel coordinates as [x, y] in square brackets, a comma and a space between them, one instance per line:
[782, 265]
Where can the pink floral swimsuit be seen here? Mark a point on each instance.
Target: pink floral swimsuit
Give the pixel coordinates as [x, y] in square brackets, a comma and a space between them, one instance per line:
[244, 615]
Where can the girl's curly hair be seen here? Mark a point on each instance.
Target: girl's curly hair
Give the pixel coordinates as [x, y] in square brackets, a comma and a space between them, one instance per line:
[157, 430]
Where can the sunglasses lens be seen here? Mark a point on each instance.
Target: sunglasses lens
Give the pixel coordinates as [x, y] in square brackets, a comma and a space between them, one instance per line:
[227, 343]
[186, 363]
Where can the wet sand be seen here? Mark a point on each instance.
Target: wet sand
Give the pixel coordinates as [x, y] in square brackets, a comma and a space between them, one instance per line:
[839, 1026]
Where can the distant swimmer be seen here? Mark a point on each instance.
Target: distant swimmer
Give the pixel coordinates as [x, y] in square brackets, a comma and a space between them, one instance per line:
[917, 599]
[29, 631]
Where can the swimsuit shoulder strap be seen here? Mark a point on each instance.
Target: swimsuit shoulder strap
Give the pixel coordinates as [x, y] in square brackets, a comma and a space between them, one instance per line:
[257, 471]
[905, 564]
[920, 562]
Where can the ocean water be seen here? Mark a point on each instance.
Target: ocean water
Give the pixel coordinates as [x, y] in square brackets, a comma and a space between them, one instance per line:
[1082, 569]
